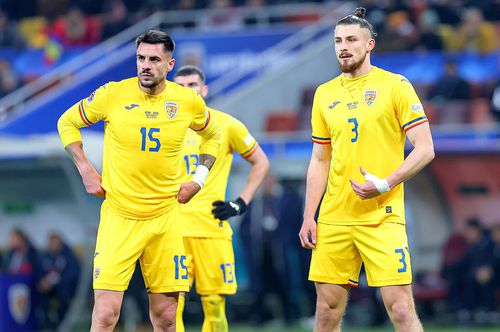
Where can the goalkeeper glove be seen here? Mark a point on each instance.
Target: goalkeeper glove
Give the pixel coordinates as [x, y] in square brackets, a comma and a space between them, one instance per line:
[224, 210]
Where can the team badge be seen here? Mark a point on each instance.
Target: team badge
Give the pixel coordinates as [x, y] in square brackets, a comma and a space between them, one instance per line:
[370, 96]
[171, 109]
[19, 302]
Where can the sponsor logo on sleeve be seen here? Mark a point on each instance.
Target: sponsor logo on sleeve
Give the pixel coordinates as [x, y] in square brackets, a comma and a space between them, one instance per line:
[417, 107]
[249, 139]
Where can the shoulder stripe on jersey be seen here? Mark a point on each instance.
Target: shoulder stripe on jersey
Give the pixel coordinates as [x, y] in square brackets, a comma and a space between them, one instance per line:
[83, 115]
[206, 123]
[422, 118]
[250, 151]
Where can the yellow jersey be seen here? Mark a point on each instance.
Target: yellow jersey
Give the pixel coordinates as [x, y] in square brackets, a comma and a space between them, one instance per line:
[196, 216]
[365, 120]
[143, 137]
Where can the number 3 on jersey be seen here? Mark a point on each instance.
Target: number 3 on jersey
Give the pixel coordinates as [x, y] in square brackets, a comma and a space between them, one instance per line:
[354, 129]
[154, 145]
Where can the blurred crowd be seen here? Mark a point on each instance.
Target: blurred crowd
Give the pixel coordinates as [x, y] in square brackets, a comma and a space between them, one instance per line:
[471, 267]
[53, 273]
[452, 27]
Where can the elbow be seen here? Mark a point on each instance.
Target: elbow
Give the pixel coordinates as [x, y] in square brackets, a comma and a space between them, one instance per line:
[430, 155]
[265, 165]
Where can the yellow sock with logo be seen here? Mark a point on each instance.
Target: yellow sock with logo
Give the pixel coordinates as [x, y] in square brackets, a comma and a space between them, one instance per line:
[179, 322]
[214, 309]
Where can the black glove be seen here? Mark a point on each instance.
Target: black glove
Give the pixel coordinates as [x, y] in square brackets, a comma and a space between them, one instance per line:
[224, 210]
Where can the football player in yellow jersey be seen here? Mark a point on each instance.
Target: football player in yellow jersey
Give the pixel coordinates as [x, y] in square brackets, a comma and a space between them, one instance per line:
[146, 119]
[207, 233]
[360, 121]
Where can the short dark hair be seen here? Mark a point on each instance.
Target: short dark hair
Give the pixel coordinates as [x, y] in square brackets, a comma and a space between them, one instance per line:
[156, 37]
[358, 17]
[189, 70]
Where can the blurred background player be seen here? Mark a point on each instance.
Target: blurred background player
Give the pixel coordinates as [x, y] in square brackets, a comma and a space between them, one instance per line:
[207, 233]
[360, 120]
[140, 180]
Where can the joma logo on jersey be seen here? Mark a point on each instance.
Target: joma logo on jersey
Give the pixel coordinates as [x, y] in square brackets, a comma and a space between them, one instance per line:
[370, 97]
[171, 109]
[335, 103]
[129, 107]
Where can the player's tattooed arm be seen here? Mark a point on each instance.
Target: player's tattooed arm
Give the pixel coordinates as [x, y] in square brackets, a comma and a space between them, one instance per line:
[90, 177]
[207, 160]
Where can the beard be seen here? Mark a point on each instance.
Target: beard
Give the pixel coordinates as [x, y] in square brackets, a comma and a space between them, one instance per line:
[352, 66]
[151, 83]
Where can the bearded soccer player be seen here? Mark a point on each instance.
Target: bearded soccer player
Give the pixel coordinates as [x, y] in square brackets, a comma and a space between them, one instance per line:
[207, 233]
[360, 121]
[146, 119]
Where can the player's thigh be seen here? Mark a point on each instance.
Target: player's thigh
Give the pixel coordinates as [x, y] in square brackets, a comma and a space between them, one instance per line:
[335, 260]
[120, 242]
[214, 268]
[163, 262]
[385, 253]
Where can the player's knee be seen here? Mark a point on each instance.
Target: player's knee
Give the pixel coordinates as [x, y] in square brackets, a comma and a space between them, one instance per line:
[163, 319]
[326, 312]
[401, 311]
[106, 316]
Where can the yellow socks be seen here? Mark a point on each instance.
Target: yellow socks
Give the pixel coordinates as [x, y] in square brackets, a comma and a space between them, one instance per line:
[215, 314]
[179, 322]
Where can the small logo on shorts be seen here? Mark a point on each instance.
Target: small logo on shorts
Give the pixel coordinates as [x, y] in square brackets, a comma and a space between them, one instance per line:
[388, 209]
[97, 271]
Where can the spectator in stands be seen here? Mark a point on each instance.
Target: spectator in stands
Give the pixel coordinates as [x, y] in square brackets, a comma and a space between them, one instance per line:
[21, 257]
[478, 290]
[428, 27]
[398, 34]
[265, 233]
[76, 29]
[453, 269]
[9, 81]
[116, 19]
[59, 281]
[9, 36]
[473, 34]
[450, 87]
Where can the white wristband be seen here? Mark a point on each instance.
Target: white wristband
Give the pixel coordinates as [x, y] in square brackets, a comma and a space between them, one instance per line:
[381, 184]
[200, 176]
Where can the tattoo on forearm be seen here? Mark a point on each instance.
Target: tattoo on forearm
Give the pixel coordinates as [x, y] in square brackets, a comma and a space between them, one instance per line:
[207, 160]
[72, 153]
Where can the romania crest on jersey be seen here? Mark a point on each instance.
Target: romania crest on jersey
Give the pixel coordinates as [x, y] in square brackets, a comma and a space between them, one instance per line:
[171, 109]
[370, 96]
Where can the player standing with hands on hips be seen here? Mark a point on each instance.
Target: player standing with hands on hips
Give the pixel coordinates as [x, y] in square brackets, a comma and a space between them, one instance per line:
[360, 121]
[146, 119]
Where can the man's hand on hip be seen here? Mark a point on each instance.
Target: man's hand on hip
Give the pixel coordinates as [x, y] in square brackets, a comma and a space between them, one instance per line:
[187, 191]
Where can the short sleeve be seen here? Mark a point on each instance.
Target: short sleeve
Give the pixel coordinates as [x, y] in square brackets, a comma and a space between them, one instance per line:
[201, 116]
[240, 139]
[320, 133]
[94, 108]
[409, 108]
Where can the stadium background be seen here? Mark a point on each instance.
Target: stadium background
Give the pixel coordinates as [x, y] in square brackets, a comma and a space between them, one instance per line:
[263, 60]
